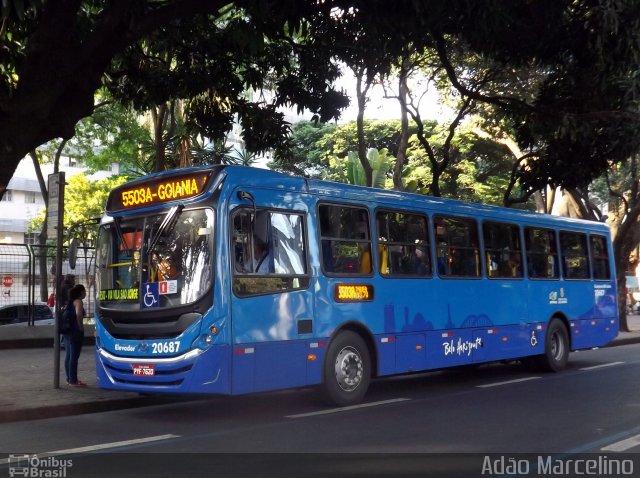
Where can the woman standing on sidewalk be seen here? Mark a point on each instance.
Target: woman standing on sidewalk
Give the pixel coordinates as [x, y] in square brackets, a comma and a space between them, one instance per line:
[75, 336]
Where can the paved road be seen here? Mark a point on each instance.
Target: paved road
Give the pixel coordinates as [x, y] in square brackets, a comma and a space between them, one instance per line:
[594, 406]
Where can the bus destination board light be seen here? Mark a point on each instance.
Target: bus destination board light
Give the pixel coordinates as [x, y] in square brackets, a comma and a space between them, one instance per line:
[158, 191]
[353, 293]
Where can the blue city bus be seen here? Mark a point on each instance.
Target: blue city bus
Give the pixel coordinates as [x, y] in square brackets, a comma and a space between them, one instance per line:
[232, 280]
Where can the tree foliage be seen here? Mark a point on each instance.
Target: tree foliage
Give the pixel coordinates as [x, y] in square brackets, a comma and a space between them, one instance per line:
[349, 169]
[89, 199]
[206, 51]
[560, 75]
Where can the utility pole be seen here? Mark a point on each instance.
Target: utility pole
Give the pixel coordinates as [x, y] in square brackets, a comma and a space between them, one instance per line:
[55, 220]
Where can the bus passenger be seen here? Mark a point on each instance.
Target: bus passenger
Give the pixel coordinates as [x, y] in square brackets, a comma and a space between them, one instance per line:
[421, 261]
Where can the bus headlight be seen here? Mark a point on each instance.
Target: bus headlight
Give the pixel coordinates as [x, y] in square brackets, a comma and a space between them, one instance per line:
[204, 341]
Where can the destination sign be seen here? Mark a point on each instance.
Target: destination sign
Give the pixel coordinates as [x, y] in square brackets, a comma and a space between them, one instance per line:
[158, 191]
[353, 292]
[118, 294]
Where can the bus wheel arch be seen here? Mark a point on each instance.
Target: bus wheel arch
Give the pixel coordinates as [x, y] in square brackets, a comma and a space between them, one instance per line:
[348, 365]
[563, 318]
[557, 345]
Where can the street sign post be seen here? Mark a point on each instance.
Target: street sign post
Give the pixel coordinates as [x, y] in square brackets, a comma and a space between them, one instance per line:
[55, 217]
[55, 190]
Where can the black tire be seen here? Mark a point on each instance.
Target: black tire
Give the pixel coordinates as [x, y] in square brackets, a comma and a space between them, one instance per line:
[556, 348]
[347, 370]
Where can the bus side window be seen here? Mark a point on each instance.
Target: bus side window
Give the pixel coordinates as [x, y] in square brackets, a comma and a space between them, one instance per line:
[403, 240]
[600, 258]
[345, 239]
[503, 250]
[458, 251]
[542, 255]
[575, 256]
[269, 252]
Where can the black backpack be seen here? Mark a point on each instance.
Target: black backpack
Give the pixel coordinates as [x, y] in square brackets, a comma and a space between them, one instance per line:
[66, 319]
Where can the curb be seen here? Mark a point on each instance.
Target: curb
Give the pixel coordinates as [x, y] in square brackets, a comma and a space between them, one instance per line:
[57, 411]
[623, 341]
[72, 409]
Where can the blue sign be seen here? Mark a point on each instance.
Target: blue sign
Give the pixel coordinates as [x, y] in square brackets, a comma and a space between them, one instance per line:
[150, 295]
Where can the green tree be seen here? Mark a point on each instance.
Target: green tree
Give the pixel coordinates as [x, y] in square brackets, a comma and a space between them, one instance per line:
[89, 200]
[305, 154]
[619, 188]
[112, 134]
[146, 53]
[349, 169]
[584, 55]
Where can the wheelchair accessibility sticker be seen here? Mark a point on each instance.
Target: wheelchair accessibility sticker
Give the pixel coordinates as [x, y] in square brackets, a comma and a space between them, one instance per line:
[150, 295]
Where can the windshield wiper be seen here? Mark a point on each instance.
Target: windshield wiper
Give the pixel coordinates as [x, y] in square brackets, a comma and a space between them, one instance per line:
[167, 225]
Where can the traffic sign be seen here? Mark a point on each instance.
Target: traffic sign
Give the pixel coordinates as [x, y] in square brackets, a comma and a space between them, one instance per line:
[7, 281]
[54, 205]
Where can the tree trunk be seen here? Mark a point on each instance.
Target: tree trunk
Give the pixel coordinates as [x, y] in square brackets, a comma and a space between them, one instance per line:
[42, 237]
[403, 144]
[362, 147]
[626, 239]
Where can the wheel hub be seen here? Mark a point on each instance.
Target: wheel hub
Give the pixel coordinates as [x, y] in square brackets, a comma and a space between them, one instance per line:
[348, 369]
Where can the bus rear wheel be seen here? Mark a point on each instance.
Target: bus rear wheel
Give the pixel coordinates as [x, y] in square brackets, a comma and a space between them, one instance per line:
[347, 370]
[556, 348]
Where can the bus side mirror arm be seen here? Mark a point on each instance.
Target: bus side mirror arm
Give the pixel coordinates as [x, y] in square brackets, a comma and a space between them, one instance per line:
[244, 195]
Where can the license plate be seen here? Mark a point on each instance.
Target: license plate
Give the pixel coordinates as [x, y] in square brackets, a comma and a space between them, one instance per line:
[143, 369]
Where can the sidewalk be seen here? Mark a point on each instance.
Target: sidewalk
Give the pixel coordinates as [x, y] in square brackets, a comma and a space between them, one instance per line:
[27, 393]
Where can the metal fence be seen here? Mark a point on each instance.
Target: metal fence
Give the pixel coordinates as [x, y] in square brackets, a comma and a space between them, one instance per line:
[28, 278]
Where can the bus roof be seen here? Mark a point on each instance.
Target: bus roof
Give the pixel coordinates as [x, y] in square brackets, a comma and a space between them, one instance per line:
[332, 191]
[403, 200]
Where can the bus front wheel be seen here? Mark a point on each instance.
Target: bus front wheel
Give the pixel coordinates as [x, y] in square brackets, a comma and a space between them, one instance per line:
[347, 370]
[556, 348]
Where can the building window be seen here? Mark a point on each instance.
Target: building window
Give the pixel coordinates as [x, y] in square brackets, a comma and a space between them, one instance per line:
[31, 238]
[29, 197]
[7, 196]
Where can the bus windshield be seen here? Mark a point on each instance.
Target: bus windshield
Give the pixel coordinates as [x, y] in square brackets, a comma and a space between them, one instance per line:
[162, 260]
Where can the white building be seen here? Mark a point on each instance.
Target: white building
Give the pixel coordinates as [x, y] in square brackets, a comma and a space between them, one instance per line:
[22, 201]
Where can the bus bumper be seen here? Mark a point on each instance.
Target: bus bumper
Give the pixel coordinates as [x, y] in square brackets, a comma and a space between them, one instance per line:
[196, 371]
